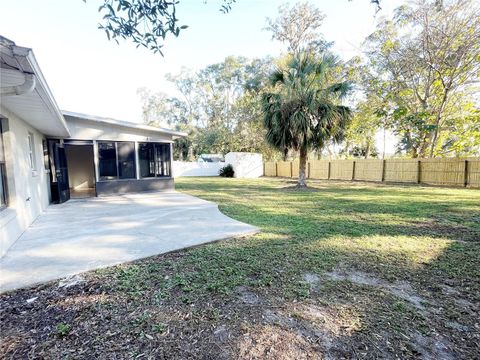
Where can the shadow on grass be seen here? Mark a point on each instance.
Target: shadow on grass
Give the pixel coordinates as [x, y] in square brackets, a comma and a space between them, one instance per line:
[231, 298]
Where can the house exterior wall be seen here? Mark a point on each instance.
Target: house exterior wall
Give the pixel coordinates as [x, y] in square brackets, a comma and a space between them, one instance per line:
[84, 129]
[28, 191]
[125, 186]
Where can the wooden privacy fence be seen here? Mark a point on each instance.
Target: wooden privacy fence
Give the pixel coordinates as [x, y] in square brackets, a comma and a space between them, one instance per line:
[445, 171]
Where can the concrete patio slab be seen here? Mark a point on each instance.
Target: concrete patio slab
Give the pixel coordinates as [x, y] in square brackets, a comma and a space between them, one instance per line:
[86, 234]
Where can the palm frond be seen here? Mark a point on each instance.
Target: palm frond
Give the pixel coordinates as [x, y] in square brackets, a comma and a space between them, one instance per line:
[276, 77]
[339, 89]
[302, 111]
[330, 59]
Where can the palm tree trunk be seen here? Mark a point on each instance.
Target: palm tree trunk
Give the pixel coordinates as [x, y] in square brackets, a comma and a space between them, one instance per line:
[302, 169]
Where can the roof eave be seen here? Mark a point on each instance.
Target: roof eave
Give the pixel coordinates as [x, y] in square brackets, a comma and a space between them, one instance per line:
[126, 124]
[51, 102]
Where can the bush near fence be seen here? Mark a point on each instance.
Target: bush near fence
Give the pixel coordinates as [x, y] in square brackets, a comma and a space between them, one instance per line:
[444, 171]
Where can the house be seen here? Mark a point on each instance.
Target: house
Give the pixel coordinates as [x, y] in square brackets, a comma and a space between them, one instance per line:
[48, 155]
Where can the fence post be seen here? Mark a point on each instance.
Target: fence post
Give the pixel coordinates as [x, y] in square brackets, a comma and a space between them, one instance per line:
[419, 171]
[308, 170]
[329, 165]
[291, 168]
[353, 170]
[276, 169]
[466, 173]
[383, 170]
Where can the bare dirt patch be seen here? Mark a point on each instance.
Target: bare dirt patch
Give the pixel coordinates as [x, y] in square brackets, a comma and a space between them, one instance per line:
[248, 297]
[313, 281]
[271, 342]
[432, 345]
[401, 289]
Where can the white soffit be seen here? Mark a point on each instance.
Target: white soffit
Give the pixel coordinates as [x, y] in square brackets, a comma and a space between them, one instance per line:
[38, 107]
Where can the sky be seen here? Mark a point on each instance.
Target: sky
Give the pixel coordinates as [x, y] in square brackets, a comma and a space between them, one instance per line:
[89, 74]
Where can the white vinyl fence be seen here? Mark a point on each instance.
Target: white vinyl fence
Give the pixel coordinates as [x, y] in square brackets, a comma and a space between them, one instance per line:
[184, 168]
[245, 165]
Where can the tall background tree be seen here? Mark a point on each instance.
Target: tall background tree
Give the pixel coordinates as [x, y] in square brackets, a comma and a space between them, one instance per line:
[302, 111]
[298, 27]
[218, 106]
[418, 79]
[426, 61]
[361, 133]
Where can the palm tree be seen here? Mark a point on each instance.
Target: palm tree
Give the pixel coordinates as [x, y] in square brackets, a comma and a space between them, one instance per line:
[303, 110]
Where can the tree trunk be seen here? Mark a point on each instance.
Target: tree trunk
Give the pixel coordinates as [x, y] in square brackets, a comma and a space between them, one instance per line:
[414, 152]
[437, 123]
[384, 141]
[302, 169]
[190, 153]
[423, 148]
[367, 150]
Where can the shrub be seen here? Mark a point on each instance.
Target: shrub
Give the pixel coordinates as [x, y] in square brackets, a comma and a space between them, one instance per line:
[226, 171]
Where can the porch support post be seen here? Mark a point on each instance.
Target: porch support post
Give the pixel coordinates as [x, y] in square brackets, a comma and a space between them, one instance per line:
[95, 160]
[171, 160]
[137, 161]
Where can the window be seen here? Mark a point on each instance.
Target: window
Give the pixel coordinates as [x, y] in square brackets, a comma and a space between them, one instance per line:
[126, 160]
[3, 175]
[146, 156]
[31, 151]
[163, 159]
[116, 160]
[107, 160]
[154, 159]
[46, 163]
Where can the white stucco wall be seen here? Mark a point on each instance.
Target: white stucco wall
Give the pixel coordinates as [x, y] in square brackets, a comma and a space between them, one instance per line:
[245, 165]
[184, 168]
[28, 191]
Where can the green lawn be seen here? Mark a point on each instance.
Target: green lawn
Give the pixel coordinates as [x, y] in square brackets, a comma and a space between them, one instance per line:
[345, 270]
